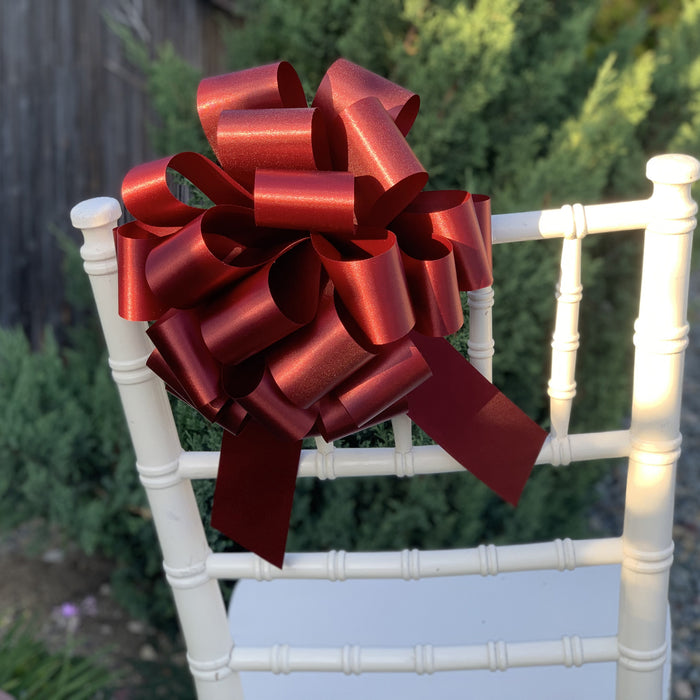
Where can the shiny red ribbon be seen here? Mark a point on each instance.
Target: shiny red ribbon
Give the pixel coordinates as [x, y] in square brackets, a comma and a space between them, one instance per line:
[313, 296]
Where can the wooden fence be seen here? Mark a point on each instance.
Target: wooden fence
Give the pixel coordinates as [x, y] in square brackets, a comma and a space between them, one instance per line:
[73, 120]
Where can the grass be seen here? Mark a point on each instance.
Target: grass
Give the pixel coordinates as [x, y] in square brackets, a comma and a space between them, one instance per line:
[28, 671]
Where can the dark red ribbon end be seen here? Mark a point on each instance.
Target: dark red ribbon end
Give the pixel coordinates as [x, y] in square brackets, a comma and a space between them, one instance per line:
[255, 490]
[473, 421]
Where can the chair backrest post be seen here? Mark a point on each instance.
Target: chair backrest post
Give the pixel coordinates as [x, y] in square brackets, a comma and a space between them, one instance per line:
[565, 339]
[481, 344]
[157, 446]
[661, 336]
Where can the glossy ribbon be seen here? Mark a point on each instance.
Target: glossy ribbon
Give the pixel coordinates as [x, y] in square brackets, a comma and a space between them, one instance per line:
[312, 297]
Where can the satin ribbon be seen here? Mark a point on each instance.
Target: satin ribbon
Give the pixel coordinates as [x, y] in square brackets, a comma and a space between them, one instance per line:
[312, 297]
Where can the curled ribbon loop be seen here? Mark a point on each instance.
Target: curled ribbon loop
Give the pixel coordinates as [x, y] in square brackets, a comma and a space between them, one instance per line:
[306, 200]
[346, 83]
[252, 139]
[313, 296]
[366, 141]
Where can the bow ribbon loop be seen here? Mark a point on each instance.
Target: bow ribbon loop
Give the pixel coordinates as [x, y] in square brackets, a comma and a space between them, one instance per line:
[272, 86]
[346, 83]
[288, 139]
[306, 200]
[371, 284]
[265, 307]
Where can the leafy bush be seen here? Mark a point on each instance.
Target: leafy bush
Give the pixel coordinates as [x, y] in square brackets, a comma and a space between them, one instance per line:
[67, 455]
[536, 103]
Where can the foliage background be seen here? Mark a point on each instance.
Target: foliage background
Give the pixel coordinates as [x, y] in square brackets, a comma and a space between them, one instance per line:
[538, 103]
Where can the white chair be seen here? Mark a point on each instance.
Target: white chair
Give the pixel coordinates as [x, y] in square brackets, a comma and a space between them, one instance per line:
[582, 618]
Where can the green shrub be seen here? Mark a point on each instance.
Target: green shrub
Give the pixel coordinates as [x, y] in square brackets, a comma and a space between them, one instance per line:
[67, 455]
[536, 103]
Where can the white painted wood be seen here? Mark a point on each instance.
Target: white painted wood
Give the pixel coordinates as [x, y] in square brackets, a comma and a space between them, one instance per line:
[631, 641]
[413, 565]
[661, 336]
[425, 658]
[554, 223]
[480, 345]
[198, 598]
[403, 443]
[565, 340]
[422, 459]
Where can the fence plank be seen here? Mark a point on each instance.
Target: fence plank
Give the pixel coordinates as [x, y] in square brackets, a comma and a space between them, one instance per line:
[72, 121]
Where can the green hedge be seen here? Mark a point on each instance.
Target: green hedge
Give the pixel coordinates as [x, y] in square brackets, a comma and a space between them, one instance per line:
[537, 103]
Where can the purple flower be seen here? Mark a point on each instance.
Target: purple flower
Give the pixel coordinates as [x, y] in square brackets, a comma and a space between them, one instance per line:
[69, 610]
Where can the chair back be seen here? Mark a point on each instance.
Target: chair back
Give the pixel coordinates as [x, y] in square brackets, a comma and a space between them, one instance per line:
[640, 645]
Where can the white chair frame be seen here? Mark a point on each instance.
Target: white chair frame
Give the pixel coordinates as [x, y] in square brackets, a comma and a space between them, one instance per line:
[652, 444]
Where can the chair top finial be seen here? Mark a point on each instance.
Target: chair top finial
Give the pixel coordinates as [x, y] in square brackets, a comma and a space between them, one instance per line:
[95, 212]
[673, 169]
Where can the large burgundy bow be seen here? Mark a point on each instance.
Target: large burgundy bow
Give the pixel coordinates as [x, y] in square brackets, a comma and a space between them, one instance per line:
[313, 296]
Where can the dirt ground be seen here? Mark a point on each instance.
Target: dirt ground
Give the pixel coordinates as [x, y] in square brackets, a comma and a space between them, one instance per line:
[69, 598]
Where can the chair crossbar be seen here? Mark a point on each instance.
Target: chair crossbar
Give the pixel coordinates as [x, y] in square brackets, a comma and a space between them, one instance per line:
[426, 658]
[484, 560]
[421, 459]
[558, 223]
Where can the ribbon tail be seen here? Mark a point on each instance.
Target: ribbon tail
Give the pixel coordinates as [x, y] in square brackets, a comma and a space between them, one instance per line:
[255, 490]
[473, 421]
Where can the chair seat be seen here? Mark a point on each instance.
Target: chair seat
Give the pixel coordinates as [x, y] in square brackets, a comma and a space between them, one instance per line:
[445, 611]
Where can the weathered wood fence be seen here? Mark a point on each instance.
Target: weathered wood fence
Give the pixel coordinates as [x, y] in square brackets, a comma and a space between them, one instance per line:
[73, 119]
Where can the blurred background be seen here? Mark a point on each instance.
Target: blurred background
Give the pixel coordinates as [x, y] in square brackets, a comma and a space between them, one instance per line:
[536, 103]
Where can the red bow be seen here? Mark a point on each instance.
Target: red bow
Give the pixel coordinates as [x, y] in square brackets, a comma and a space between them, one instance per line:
[313, 296]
